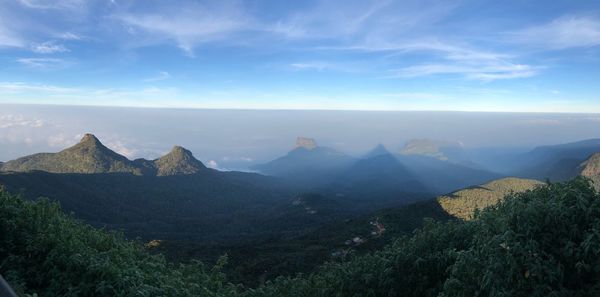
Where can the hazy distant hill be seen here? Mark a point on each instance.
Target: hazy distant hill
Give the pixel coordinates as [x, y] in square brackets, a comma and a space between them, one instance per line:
[91, 156]
[430, 148]
[308, 164]
[591, 169]
[556, 162]
[444, 176]
[378, 180]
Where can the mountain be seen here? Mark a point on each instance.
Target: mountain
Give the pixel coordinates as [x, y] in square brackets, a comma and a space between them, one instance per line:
[380, 180]
[91, 156]
[308, 164]
[463, 203]
[88, 156]
[591, 169]
[555, 162]
[178, 161]
[378, 150]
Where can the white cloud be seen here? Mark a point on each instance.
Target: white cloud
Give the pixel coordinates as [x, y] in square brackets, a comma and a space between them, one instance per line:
[19, 87]
[48, 47]
[162, 75]
[42, 63]
[562, 33]
[69, 36]
[122, 148]
[212, 164]
[11, 120]
[188, 25]
[53, 4]
[61, 140]
[477, 70]
[320, 66]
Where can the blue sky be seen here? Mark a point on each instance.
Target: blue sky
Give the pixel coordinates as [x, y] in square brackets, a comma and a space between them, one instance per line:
[358, 55]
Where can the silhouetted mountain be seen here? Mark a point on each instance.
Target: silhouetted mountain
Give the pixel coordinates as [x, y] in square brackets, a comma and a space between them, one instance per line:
[379, 150]
[91, 156]
[308, 164]
[556, 162]
[381, 180]
[591, 169]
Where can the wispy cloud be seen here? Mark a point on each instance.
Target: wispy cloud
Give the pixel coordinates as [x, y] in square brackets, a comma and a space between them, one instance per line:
[162, 75]
[42, 63]
[188, 25]
[18, 120]
[561, 33]
[55, 4]
[48, 47]
[17, 87]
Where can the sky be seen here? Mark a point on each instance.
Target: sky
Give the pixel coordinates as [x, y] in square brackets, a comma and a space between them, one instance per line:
[522, 56]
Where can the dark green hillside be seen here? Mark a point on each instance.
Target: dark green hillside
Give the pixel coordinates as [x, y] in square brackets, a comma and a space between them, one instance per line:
[539, 243]
[542, 242]
[45, 252]
[209, 205]
[336, 241]
[88, 156]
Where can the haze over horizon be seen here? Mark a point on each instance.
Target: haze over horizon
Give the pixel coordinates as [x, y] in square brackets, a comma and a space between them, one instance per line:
[236, 139]
[461, 55]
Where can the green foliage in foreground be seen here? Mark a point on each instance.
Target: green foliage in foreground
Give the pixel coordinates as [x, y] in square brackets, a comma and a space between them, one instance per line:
[544, 242]
[46, 252]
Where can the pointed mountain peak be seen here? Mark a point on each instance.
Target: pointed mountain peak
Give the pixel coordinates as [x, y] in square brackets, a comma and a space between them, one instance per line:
[181, 151]
[307, 143]
[379, 150]
[89, 138]
[178, 161]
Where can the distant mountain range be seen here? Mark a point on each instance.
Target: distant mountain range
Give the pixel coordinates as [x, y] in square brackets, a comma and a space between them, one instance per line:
[555, 162]
[417, 168]
[91, 156]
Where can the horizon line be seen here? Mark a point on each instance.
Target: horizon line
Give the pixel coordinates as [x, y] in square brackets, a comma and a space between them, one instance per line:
[288, 109]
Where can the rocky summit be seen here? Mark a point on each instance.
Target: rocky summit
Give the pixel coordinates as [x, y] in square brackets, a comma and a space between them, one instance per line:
[307, 143]
[178, 161]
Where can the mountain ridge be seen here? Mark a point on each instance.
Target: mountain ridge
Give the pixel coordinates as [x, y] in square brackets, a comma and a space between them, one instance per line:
[90, 156]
